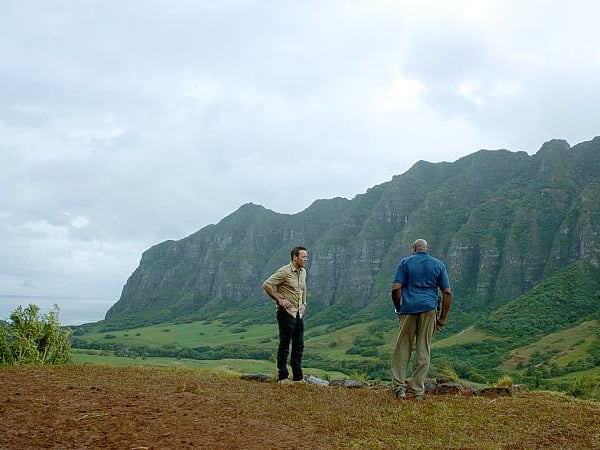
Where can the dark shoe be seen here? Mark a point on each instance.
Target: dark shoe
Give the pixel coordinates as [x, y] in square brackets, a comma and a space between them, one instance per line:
[400, 392]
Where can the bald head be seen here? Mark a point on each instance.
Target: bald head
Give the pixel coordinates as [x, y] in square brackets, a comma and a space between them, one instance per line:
[420, 245]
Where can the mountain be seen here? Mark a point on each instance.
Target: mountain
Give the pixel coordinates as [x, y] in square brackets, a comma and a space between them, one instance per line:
[502, 222]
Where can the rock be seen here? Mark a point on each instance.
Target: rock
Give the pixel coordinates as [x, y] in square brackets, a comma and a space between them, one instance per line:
[348, 383]
[378, 386]
[496, 391]
[354, 384]
[443, 379]
[263, 377]
[314, 380]
[520, 388]
[431, 388]
[449, 388]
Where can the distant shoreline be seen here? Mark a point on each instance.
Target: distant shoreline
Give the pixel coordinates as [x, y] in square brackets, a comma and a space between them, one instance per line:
[55, 296]
[72, 310]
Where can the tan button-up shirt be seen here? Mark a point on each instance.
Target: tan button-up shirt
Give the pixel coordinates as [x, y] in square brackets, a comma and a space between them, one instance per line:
[291, 284]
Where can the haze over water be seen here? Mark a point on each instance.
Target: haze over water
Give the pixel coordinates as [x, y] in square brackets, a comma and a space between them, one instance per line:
[72, 310]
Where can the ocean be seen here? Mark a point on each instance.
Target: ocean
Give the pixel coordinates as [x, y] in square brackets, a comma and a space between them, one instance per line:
[72, 310]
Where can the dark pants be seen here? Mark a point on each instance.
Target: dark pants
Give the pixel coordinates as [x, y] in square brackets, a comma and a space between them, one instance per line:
[290, 329]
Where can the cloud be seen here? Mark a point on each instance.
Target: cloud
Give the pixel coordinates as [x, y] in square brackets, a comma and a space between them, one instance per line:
[125, 124]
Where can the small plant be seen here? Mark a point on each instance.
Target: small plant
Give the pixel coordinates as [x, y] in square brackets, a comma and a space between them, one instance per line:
[360, 376]
[447, 371]
[505, 381]
[585, 387]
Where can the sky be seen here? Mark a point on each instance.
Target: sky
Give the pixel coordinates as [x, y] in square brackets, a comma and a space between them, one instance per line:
[124, 124]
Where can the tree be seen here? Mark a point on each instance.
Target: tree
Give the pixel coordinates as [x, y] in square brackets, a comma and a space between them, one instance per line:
[33, 338]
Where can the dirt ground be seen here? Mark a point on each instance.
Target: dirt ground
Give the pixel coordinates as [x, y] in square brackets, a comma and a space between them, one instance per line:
[85, 407]
[79, 406]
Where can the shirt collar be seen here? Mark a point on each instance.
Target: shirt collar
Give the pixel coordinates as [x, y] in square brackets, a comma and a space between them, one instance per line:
[294, 268]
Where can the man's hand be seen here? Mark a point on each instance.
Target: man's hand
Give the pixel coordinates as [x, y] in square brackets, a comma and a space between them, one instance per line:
[284, 303]
[439, 323]
[302, 309]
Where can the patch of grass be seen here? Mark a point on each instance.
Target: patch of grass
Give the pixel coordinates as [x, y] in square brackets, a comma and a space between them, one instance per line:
[236, 366]
[467, 336]
[188, 335]
[569, 345]
[505, 381]
[447, 371]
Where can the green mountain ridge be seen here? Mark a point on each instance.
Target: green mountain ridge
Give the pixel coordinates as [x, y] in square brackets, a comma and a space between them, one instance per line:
[501, 221]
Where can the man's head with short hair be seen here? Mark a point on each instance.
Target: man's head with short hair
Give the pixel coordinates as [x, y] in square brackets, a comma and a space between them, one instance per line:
[299, 257]
[420, 245]
[296, 251]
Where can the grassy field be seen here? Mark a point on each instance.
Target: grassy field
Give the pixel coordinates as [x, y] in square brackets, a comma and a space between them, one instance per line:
[233, 366]
[195, 334]
[467, 336]
[568, 345]
[318, 340]
[358, 350]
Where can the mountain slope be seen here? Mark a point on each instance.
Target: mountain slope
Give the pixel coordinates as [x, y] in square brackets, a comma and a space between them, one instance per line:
[501, 221]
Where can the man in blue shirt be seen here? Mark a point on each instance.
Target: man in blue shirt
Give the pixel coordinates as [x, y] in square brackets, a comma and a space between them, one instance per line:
[415, 296]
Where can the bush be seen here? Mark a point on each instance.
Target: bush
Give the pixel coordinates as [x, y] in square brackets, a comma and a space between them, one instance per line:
[585, 387]
[447, 371]
[505, 381]
[31, 338]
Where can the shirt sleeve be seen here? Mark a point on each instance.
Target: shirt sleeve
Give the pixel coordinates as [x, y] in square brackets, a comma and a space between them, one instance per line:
[276, 279]
[399, 277]
[444, 282]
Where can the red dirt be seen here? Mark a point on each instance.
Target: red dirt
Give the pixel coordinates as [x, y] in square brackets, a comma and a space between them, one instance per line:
[77, 406]
[81, 407]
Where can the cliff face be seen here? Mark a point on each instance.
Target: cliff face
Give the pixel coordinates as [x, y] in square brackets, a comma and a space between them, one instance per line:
[501, 221]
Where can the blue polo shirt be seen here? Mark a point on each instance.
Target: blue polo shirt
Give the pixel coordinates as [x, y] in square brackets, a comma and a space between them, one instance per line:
[420, 275]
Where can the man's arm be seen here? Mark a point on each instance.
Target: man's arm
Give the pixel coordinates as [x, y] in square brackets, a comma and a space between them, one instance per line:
[279, 299]
[446, 302]
[397, 296]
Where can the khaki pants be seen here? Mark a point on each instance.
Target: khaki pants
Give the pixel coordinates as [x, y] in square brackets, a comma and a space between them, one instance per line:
[419, 327]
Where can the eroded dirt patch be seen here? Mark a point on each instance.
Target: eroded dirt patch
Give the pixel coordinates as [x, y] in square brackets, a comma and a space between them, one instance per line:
[85, 406]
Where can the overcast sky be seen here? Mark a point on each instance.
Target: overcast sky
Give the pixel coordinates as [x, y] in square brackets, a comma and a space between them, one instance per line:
[123, 124]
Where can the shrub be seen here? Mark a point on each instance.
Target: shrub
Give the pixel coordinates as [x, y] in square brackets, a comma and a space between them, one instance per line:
[585, 387]
[447, 371]
[505, 380]
[31, 338]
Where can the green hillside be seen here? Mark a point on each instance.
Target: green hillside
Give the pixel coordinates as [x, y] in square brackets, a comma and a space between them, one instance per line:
[557, 342]
[501, 221]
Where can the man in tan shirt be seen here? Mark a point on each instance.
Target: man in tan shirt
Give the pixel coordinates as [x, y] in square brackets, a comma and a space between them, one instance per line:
[287, 286]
